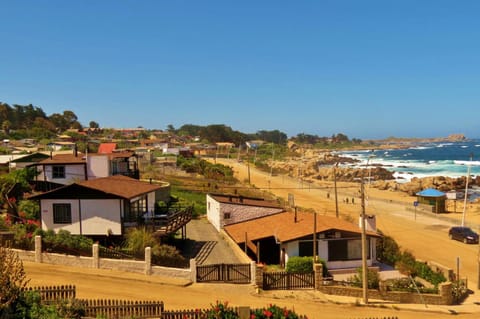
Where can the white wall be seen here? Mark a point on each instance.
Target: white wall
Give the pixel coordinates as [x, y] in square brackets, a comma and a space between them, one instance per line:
[98, 216]
[46, 206]
[291, 249]
[73, 173]
[213, 212]
[98, 166]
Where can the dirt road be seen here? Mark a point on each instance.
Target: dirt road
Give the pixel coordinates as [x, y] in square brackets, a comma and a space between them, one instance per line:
[177, 294]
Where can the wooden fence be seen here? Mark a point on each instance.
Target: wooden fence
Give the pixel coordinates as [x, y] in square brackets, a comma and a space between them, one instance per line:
[54, 293]
[118, 309]
[285, 281]
[243, 312]
[228, 273]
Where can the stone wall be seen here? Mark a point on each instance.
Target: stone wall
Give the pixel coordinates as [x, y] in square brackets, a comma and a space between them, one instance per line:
[443, 298]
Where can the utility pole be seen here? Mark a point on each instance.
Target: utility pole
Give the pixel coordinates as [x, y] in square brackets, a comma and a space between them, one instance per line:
[364, 248]
[466, 191]
[335, 186]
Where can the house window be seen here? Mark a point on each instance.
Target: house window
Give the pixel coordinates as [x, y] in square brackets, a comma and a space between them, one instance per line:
[339, 250]
[227, 216]
[305, 248]
[58, 171]
[62, 213]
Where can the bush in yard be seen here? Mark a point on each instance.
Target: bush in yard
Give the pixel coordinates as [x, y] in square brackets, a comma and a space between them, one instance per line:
[300, 264]
[373, 279]
[139, 238]
[65, 242]
[388, 251]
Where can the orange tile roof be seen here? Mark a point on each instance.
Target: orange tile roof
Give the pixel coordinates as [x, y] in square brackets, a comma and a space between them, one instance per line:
[120, 185]
[284, 227]
[107, 148]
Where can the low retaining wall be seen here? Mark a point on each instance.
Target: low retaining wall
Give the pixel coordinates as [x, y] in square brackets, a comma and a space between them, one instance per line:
[445, 296]
[135, 266]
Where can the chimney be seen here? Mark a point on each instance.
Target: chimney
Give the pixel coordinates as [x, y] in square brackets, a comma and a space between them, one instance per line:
[370, 223]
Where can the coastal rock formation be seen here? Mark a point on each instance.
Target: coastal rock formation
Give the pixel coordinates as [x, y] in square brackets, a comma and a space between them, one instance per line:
[323, 167]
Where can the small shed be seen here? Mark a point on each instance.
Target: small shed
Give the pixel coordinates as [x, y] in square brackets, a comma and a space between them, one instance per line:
[434, 198]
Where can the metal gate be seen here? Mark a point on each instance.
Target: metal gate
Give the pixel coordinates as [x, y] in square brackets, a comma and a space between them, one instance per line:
[287, 281]
[227, 273]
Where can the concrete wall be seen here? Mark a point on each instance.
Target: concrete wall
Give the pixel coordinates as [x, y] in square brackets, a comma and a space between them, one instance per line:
[98, 166]
[135, 266]
[213, 212]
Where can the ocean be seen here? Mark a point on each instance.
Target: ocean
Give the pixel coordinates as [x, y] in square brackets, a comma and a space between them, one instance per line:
[424, 159]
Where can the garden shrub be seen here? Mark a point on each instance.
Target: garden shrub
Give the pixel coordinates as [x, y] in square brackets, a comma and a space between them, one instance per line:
[388, 251]
[296, 264]
[138, 239]
[221, 310]
[273, 312]
[373, 279]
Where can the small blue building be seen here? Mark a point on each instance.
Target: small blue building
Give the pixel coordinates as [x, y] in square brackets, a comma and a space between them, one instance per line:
[434, 198]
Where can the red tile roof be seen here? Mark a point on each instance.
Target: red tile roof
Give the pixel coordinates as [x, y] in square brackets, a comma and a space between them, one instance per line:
[107, 148]
[284, 227]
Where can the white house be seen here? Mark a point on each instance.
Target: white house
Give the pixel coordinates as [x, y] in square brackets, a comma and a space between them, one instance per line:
[64, 169]
[277, 237]
[224, 210]
[101, 206]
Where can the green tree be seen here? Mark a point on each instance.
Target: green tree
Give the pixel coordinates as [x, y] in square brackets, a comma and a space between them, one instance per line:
[93, 124]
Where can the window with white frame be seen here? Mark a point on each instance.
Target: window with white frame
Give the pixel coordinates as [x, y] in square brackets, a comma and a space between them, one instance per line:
[62, 213]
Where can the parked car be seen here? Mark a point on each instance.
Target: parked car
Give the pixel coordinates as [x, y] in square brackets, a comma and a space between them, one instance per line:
[465, 234]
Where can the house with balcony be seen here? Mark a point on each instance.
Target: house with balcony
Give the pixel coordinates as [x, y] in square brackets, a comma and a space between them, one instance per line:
[105, 206]
[64, 169]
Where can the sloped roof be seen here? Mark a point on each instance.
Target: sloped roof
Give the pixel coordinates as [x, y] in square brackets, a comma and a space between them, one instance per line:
[120, 185]
[65, 159]
[122, 154]
[107, 148]
[284, 227]
[245, 201]
[431, 192]
[116, 186]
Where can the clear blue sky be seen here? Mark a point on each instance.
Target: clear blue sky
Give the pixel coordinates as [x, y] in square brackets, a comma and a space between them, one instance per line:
[367, 69]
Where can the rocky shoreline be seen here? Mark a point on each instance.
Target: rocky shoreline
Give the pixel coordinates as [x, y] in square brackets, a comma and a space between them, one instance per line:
[325, 166]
